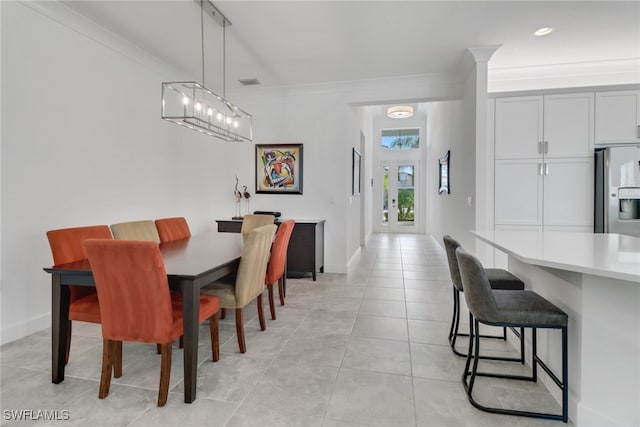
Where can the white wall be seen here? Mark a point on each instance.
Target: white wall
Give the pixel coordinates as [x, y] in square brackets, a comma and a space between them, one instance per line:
[82, 143]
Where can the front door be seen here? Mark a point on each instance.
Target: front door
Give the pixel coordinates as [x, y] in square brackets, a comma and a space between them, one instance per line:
[397, 210]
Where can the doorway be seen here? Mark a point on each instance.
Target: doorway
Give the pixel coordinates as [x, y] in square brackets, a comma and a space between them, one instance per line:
[397, 211]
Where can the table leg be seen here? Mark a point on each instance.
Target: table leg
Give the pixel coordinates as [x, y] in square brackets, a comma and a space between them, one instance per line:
[190, 311]
[59, 328]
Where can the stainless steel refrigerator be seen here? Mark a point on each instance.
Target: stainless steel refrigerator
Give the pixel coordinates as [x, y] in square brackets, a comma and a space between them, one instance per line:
[617, 190]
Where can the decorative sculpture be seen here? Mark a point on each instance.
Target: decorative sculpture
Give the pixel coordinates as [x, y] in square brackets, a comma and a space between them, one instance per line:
[238, 196]
[246, 195]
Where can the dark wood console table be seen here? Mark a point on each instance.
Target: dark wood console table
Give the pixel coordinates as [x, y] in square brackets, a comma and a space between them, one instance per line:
[306, 247]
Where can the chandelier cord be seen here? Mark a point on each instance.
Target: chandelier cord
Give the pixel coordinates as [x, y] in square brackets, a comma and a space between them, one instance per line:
[224, 57]
[202, 37]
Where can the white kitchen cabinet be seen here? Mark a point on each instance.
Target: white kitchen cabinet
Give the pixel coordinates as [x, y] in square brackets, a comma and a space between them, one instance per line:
[555, 193]
[568, 192]
[544, 161]
[617, 117]
[518, 192]
[559, 125]
[518, 127]
[568, 125]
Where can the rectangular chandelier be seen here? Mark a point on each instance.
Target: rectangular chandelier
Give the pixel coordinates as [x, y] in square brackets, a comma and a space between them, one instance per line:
[192, 105]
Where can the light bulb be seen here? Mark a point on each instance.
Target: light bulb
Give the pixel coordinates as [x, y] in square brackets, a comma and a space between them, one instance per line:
[198, 106]
[210, 112]
[219, 116]
[185, 100]
[236, 124]
[228, 120]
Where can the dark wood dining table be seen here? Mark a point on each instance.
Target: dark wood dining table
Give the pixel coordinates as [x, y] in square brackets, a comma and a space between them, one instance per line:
[190, 263]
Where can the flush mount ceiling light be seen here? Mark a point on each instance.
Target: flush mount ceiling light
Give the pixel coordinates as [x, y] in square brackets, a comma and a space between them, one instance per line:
[543, 31]
[400, 112]
[192, 105]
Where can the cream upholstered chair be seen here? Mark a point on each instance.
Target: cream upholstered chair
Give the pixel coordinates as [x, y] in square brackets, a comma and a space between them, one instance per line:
[249, 222]
[136, 230]
[237, 292]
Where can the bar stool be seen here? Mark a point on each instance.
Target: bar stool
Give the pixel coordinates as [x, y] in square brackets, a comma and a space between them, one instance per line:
[522, 309]
[498, 279]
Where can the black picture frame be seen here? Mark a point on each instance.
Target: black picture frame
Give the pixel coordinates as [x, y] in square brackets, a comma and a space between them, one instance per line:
[278, 168]
[356, 165]
[444, 174]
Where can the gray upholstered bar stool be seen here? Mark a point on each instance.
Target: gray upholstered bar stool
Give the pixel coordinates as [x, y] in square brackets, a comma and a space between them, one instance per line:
[509, 309]
[498, 279]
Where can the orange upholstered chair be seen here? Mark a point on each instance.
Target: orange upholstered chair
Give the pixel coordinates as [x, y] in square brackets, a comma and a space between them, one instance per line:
[66, 246]
[137, 305]
[248, 285]
[277, 261]
[171, 229]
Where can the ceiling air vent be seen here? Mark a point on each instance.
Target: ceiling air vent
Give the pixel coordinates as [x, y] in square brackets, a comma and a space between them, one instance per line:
[249, 82]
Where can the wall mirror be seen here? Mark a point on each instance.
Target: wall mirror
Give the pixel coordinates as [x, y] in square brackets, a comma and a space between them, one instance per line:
[444, 174]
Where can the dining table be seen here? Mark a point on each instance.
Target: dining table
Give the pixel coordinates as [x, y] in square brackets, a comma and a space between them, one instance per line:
[190, 264]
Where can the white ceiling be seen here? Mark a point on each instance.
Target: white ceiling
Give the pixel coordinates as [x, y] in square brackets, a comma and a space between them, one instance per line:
[306, 42]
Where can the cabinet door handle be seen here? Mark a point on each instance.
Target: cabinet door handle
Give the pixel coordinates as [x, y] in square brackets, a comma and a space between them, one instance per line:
[539, 168]
[540, 146]
[546, 168]
[546, 147]
[639, 131]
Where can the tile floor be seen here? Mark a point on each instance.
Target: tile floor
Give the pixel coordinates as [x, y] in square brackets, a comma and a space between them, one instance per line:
[368, 348]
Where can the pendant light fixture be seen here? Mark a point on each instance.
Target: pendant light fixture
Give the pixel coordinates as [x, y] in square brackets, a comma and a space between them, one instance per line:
[400, 112]
[191, 104]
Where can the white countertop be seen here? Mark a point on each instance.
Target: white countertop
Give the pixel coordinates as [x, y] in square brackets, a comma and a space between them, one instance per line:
[608, 255]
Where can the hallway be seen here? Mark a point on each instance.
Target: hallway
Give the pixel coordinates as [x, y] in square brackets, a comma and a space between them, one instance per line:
[368, 348]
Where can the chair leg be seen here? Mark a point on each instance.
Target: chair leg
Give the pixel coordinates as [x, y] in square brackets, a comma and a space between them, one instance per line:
[263, 325]
[272, 307]
[105, 375]
[181, 343]
[215, 337]
[165, 374]
[68, 342]
[240, 331]
[281, 289]
[117, 359]
[223, 313]
[474, 350]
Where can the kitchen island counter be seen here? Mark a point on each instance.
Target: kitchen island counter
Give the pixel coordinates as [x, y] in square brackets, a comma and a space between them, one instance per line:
[595, 279]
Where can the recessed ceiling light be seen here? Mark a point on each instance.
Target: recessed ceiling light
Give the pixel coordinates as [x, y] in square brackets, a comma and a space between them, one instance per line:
[543, 31]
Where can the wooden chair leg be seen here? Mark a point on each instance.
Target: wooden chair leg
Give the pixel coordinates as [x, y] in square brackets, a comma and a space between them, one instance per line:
[181, 343]
[68, 342]
[281, 289]
[105, 375]
[165, 374]
[223, 313]
[158, 348]
[263, 325]
[240, 331]
[272, 306]
[117, 359]
[215, 339]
